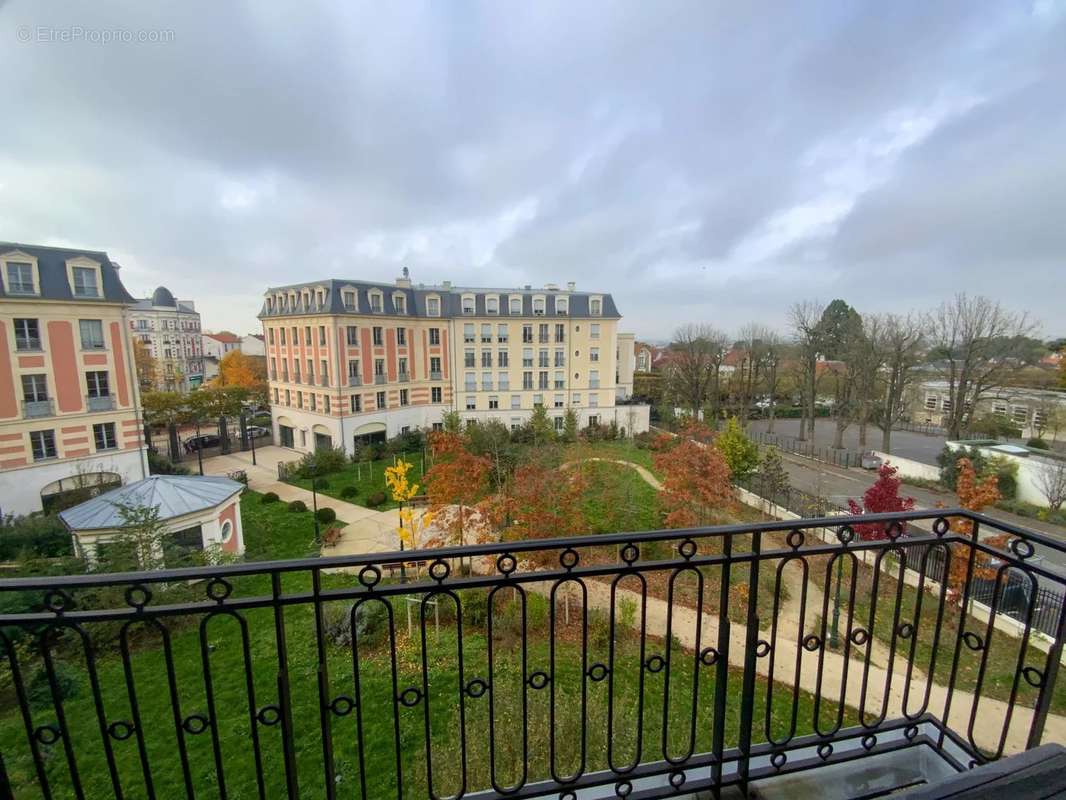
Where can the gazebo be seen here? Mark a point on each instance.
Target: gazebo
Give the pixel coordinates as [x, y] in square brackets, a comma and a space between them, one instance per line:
[199, 512]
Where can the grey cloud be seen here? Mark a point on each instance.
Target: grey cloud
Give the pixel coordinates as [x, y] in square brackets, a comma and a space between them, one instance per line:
[641, 148]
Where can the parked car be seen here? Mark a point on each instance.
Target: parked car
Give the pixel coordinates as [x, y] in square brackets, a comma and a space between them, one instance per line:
[202, 442]
[258, 431]
[870, 461]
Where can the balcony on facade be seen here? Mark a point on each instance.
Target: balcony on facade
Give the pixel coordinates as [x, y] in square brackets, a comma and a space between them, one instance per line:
[379, 379]
[32, 409]
[403, 377]
[436, 375]
[100, 402]
[355, 380]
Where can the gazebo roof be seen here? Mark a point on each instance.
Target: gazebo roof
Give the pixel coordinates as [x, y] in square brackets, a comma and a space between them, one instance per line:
[173, 495]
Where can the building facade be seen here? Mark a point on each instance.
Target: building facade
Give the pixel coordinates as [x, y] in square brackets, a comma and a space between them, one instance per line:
[1039, 413]
[69, 421]
[170, 329]
[352, 361]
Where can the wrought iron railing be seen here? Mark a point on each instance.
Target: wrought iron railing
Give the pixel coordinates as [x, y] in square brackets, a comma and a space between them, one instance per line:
[635, 664]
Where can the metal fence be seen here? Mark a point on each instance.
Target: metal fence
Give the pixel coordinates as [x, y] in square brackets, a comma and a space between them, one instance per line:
[636, 664]
[234, 436]
[808, 449]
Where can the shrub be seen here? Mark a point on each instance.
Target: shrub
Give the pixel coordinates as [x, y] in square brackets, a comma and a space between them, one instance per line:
[322, 462]
[375, 499]
[371, 623]
[297, 505]
[326, 514]
[238, 475]
[269, 497]
[1003, 468]
[67, 682]
[348, 492]
[159, 464]
[475, 605]
[1038, 444]
[643, 440]
[320, 484]
[41, 535]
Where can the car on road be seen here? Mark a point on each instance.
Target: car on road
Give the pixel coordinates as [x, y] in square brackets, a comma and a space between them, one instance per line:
[202, 442]
[258, 431]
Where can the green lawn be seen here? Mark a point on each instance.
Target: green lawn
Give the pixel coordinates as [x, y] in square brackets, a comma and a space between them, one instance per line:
[620, 449]
[235, 732]
[367, 477]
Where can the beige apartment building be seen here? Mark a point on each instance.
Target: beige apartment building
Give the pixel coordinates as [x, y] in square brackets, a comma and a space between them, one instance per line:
[351, 361]
[69, 424]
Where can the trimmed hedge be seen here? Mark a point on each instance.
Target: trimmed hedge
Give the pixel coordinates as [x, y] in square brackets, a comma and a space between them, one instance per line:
[376, 499]
[320, 484]
[297, 505]
[348, 492]
[269, 497]
[326, 514]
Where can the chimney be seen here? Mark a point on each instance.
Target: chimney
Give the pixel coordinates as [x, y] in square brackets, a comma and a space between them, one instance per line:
[446, 285]
[570, 285]
[405, 280]
[552, 287]
[527, 287]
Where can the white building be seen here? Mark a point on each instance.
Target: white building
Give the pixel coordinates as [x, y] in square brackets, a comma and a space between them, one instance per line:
[171, 330]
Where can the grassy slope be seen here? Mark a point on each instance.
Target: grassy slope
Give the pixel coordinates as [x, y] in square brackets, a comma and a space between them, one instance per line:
[367, 478]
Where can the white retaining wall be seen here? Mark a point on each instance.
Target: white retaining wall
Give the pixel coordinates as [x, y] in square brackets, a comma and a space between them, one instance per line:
[909, 468]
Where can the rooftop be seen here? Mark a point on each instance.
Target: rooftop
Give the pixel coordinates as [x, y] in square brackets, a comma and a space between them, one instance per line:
[52, 272]
[173, 495]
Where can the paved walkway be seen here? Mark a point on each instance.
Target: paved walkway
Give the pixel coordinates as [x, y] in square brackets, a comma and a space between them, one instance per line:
[365, 531]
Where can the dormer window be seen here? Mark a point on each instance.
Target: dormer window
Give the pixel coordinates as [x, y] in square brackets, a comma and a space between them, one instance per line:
[516, 305]
[432, 306]
[595, 306]
[18, 278]
[562, 305]
[85, 283]
[468, 304]
[538, 306]
[492, 305]
[399, 303]
[349, 300]
[375, 302]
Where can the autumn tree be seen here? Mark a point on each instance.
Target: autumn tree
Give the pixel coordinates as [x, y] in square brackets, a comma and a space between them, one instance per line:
[974, 494]
[542, 501]
[403, 490]
[147, 371]
[696, 484]
[881, 497]
[981, 345]
[239, 370]
[739, 452]
[454, 484]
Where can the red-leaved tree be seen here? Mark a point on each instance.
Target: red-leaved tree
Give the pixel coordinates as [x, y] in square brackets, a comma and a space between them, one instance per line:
[696, 484]
[454, 484]
[881, 497]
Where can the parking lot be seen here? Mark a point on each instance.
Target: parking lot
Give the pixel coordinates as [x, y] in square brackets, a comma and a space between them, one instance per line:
[917, 446]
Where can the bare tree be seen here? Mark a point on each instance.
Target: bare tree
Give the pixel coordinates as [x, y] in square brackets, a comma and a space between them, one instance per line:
[775, 347]
[752, 344]
[804, 318]
[867, 357]
[692, 355]
[902, 349]
[980, 346]
[1051, 480]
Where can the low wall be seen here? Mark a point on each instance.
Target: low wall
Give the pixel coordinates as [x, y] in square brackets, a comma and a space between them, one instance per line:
[978, 611]
[909, 468]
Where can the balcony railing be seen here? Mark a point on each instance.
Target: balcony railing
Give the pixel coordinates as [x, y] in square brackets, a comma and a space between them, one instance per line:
[100, 402]
[32, 409]
[436, 375]
[403, 377]
[355, 380]
[379, 379]
[323, 380]
[652, 664]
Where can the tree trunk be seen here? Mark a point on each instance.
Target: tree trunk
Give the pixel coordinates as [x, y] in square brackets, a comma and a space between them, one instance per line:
[838, 435]
[886, 437]
[862, 434]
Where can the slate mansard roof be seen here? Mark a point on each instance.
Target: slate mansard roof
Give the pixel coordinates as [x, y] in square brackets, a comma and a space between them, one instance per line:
[52, 271]
[173, 495]
[451, 298]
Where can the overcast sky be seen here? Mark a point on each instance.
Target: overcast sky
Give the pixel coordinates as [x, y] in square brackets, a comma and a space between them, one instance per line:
[702, 161]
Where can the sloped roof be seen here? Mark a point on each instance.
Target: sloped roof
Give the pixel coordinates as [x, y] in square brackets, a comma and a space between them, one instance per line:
[225, 337]
[173, 495]
[52, 271]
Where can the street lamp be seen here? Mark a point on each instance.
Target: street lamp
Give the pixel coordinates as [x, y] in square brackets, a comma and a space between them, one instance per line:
[314, 501]
[199, 447]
